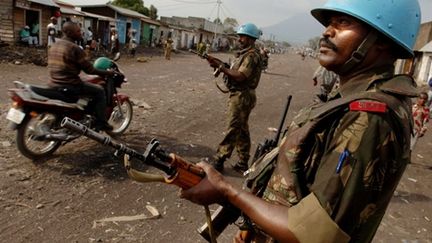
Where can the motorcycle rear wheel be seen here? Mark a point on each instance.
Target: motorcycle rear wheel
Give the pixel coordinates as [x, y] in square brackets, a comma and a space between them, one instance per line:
[27, 137]
[121, 119]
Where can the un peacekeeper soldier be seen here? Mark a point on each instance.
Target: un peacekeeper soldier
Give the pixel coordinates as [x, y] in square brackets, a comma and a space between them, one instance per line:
[341, 161]
[241, 79]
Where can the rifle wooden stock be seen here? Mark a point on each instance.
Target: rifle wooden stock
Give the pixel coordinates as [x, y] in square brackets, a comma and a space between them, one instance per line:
[187, 176]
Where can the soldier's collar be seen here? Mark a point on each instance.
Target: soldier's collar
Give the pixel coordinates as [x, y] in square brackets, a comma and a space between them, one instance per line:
[366, 80]
[243, 51]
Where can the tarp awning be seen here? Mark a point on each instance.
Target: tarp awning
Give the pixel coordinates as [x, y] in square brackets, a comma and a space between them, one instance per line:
[99, 17]
[45, 2]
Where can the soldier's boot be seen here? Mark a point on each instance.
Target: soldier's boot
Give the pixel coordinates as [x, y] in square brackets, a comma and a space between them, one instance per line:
[218, 163]
[241, 166]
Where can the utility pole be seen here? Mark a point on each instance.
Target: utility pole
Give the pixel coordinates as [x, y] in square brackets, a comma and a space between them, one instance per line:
[219, 2]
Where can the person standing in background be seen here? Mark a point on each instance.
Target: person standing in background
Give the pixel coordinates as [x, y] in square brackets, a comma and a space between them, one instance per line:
[420, 113]
[52, 31]
[168, 48]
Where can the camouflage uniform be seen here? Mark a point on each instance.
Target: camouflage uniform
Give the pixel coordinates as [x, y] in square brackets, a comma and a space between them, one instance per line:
[168, 48]
[242, 100]
[337, 168]
[327, 80]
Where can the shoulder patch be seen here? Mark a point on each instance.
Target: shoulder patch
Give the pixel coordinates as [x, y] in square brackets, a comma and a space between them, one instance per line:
[367, 105]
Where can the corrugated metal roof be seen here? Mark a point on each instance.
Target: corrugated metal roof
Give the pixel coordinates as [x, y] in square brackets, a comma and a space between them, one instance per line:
[71, 11]
[151, 21]
[45, 2]
[127, 12]
[427, 47]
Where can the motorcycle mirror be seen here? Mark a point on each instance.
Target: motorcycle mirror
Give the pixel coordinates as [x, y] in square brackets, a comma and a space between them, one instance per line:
[116, 56]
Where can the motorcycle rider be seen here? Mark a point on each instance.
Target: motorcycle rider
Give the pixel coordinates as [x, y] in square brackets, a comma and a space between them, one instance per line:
[65, 62]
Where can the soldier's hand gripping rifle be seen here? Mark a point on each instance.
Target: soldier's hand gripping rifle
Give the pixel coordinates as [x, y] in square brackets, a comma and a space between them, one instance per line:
[225, 215]
[217, 70]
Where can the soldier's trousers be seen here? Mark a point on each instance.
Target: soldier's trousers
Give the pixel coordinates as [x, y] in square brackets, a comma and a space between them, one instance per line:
[237, 136]
[168, 53]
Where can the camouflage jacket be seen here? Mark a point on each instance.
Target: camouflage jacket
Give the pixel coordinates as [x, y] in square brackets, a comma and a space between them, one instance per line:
[337, 170]
[249, 63]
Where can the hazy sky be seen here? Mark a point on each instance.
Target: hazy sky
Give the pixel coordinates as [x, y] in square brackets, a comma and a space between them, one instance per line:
[261, 12]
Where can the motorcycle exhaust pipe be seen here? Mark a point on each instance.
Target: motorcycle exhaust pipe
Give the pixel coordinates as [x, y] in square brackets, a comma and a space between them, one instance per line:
[60, 137]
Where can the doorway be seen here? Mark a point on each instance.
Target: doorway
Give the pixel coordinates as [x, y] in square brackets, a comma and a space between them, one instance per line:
[128, 33]
[32, 20]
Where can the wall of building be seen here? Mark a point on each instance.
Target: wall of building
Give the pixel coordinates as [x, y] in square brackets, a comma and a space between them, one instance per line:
[6, 20]
[425, 71]
[19, 21]
[424, 35]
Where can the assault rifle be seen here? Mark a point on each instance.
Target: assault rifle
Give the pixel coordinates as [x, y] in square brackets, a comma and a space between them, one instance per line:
[223, 216]
[178, 171]
[217, 71]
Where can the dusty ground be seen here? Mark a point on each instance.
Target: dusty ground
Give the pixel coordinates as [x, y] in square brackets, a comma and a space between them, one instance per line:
[59, 199]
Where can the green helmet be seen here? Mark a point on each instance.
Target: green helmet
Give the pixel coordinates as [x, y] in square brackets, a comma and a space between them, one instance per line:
[103, 63]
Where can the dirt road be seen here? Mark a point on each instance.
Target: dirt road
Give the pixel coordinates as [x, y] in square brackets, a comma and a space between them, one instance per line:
[62, 198]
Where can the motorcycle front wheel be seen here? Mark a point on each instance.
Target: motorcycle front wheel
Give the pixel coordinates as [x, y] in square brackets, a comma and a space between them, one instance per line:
[30, 140]
[121, 118]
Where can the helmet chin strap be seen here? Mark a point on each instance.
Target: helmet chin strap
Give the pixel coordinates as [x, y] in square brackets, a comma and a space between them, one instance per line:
[358, 55]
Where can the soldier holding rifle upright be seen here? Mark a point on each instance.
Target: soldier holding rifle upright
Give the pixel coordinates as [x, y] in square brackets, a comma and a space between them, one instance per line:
[340, 162]
[241, 80]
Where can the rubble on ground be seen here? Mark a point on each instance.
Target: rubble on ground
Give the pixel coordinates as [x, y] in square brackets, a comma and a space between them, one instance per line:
[23, 55]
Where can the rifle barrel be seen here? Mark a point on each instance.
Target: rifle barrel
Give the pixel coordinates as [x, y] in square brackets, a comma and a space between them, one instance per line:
[106, 140]
[281, 124]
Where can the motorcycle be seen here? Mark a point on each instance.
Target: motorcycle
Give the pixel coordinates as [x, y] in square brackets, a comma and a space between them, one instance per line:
[37, 112]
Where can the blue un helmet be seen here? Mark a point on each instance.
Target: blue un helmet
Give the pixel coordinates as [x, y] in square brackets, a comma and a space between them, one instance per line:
[399, 20]
[249, 29]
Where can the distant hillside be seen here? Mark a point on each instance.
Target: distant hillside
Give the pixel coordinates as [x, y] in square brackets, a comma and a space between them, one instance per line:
[295, 30]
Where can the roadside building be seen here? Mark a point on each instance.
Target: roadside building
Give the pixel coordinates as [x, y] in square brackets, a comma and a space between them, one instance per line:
[193, 30]
[420, 67]
[125, 19]
[15, 14]
[150, 29]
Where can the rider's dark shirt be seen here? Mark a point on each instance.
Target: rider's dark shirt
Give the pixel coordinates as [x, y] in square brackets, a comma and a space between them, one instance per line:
[65, 62]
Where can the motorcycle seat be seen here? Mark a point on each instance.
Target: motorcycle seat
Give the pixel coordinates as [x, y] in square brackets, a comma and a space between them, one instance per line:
[49, 95]
[55, 93]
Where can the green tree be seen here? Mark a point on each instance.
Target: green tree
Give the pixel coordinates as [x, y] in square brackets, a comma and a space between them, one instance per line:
[135, 5]
[153, 12]
[229, 25]
[230, 22]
